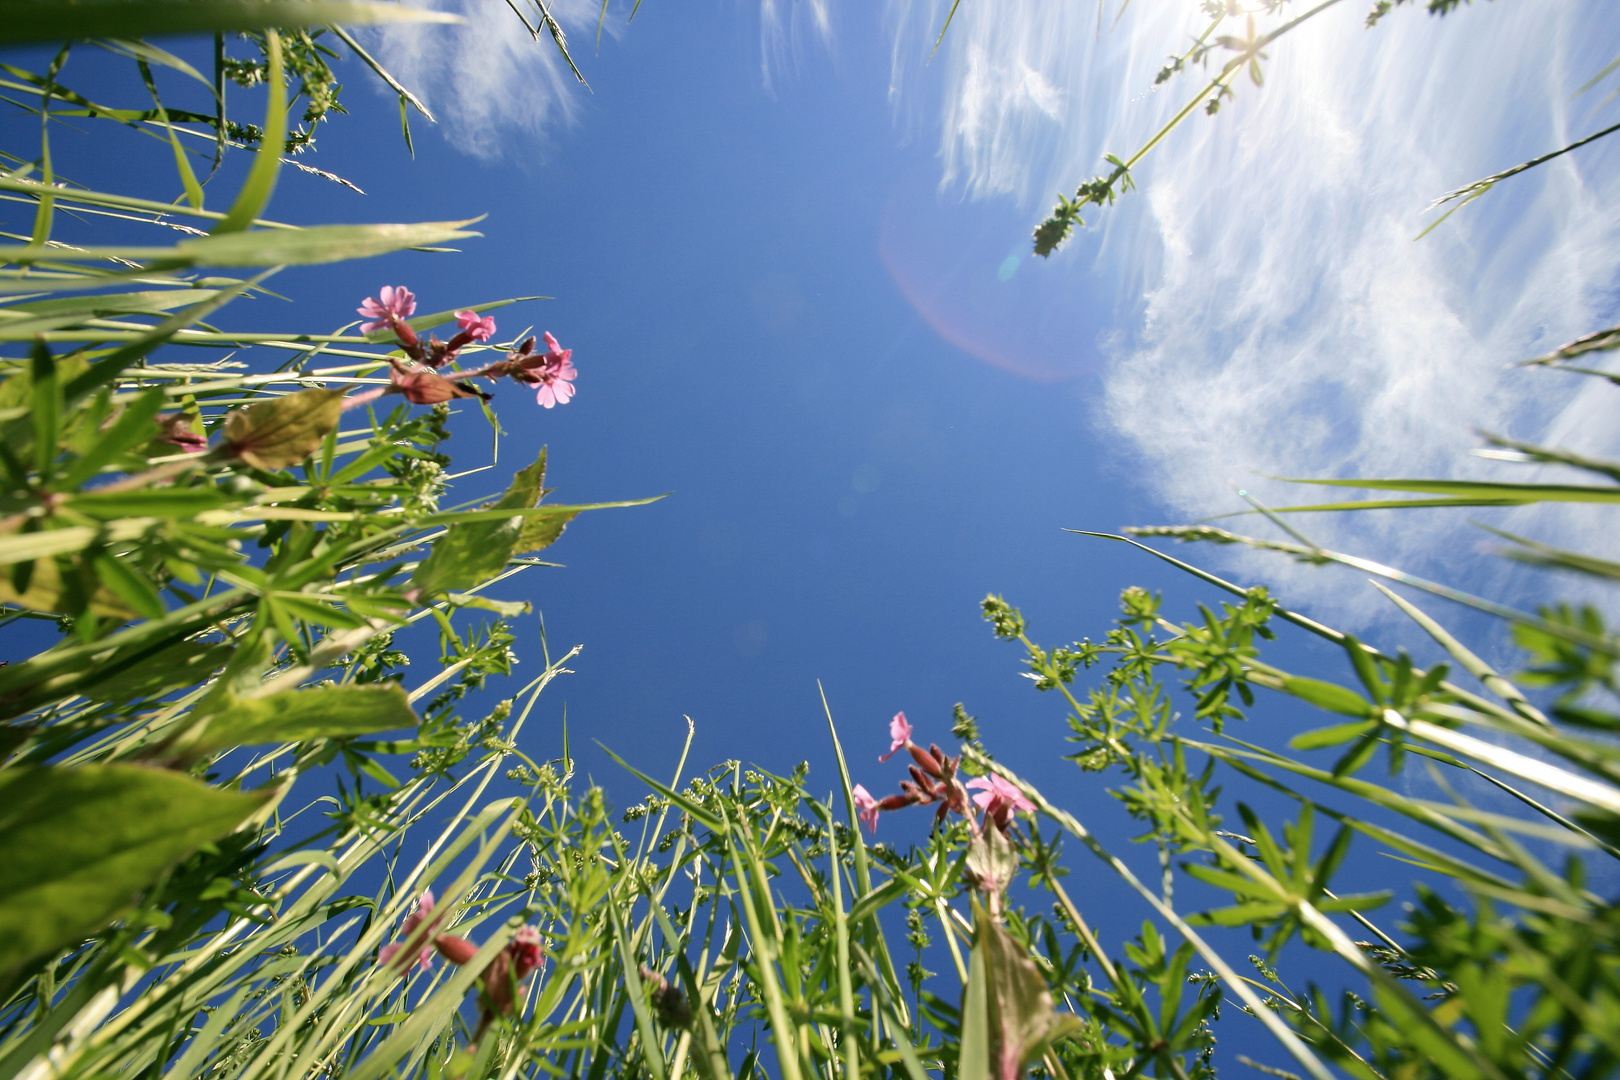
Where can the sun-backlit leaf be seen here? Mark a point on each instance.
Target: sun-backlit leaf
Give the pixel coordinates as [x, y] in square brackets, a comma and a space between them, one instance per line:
[79, 844]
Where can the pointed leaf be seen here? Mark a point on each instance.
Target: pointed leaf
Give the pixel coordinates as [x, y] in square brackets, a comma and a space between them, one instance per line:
[79, 844]
[298, 715]
[284, 431]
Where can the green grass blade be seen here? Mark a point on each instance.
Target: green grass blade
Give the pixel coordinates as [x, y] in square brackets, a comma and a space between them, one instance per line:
[1470, 663]
[30, 21]
[261, 178]
[650, 1043]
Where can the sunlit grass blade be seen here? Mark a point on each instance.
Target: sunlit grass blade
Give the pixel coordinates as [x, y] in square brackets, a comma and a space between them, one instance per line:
[1466, 492]
[1539, 554]
[1466, 658]
[1209, 533]
[383, 73]
[262, 247]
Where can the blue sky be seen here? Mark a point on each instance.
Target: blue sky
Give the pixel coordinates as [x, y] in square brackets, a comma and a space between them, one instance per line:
[790, 255]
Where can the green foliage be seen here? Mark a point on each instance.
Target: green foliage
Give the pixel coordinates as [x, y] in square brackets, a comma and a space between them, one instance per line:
[79, 845]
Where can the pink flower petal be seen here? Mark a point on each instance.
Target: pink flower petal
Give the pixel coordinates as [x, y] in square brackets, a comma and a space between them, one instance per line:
[899, 735]
[866, 807]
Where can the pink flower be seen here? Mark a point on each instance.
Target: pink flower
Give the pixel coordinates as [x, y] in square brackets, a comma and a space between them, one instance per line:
[398, 303]
[513, 964]
[899, 735]
[476, 328]
[424, 908]
[866, 807]
[999, 799]
[556, 375]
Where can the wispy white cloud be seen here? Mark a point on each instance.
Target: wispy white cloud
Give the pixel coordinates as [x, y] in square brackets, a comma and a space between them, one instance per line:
[1287, 321]
[491, 83]
[785, 27]
[494, 85]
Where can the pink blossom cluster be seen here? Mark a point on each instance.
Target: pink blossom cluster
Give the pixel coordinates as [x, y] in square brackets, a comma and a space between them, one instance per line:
[419, 940]
[550, 371]
[934, 779]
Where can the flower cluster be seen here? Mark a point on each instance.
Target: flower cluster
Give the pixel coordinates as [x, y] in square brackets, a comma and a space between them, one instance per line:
[499, 983]
[934, 779]
[550, 371]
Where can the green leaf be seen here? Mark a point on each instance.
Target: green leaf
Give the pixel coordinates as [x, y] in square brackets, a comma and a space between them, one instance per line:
[47, 410]
[188, 663]
[1336, 735]
[472, 552]
[876, 900]
[506, 608]
[1017, 1012]
[111, 366]
[261, 179]
[331, 712]
[468, 555]
[1461, 493]
[79, 844]
[454, 517]
[132, 428]
[542, 530]
[284, 431]
[974, 1051]
[1242, 915]
[44, 589]
[52, 20]
[156, 502]
[129, 586]
[264, 247]
[45, 315]
[1329, 696]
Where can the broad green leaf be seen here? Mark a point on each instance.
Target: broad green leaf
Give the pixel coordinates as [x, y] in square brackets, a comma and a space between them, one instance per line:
[332, 712]
[1329, 696]
[472, 552]
[540, 531]
[284, 431]
[53, 20]
[79, 844]
[1018, 1014]
[468, 555]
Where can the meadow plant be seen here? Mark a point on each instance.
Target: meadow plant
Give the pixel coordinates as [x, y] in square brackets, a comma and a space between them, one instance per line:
[227, 563]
